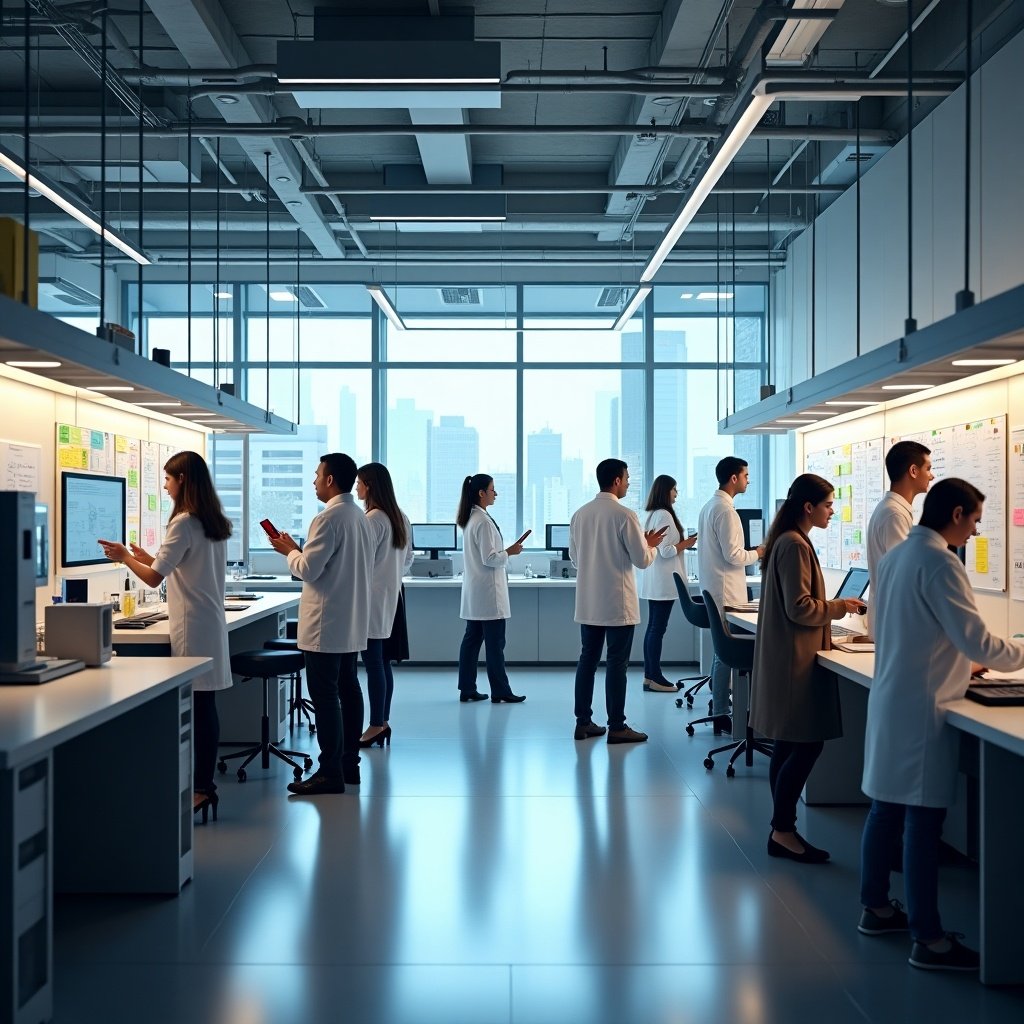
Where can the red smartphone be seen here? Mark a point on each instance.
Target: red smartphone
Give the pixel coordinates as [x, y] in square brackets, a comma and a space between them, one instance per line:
[271, 530]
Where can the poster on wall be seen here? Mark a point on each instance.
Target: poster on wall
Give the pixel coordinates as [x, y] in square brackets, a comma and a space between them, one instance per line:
[127, 464]
[19, 466]
[83, 449]
[1016, 525]
[149, 497]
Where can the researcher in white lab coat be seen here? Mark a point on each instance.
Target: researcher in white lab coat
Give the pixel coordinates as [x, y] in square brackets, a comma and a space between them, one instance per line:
[908, 465]
[927, 633]
[606, 542]
[485, 604]
[192, 559]
[392, 556]
[335, 567]
[721, 563]
[656, 585]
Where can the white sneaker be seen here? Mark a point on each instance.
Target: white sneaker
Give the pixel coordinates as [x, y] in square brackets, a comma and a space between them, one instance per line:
[652, 686]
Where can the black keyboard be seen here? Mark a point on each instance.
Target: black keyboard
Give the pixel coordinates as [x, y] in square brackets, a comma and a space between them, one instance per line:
[140, 620]
[997, 694]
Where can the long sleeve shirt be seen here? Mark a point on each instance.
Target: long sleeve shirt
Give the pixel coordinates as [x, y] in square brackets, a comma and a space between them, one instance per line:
[721, 556]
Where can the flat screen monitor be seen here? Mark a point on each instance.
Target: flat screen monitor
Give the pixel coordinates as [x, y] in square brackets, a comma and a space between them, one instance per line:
[91, 507]
[434, 537]
[42, 545]
[556, 538]
[753, 526]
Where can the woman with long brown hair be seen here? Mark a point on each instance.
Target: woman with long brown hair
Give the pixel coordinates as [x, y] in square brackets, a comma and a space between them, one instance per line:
[792, 701]
[392, 556]
[192, 559]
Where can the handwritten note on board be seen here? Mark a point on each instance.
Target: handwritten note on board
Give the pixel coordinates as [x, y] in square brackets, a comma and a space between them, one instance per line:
[19, 466]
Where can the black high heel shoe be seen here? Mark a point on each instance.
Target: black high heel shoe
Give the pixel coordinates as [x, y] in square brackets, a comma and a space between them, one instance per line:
[384, 736]
[509, 698]
[203, 802]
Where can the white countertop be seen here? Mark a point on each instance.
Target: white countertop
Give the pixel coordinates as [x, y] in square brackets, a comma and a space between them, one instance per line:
[249, 611]
[35, 718]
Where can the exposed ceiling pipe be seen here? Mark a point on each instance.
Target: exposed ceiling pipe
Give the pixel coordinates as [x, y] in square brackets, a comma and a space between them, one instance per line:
[221, 166]
[199, 76]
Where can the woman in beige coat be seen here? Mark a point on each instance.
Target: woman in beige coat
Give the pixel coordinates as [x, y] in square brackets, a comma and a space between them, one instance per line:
[792, 701]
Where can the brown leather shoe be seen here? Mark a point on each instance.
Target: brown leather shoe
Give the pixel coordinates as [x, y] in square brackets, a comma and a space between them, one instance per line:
[627, 735]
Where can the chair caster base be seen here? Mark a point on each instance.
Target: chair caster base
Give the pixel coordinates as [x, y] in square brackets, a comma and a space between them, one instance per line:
[307, 764]
[709, 763]
[222, 767]
[297, 772]
[730, 772]
[689, 730]
[241, 775]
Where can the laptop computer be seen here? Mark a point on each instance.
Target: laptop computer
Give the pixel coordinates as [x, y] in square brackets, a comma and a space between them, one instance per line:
[854, 585]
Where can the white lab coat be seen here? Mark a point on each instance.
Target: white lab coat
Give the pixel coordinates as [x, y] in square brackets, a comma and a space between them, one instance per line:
[193, 566]
[888, 526]
[389, 566]
[335, 568]
[655, 582]
[605, 544]
[484, 572]
[721, 556]
[928, 633]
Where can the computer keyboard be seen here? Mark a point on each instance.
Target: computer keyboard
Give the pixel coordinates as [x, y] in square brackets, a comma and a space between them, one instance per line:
[140, 620]
[843, 631]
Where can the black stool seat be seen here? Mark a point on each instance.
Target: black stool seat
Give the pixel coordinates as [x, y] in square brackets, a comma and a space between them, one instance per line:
[281, 643]
[265, 664]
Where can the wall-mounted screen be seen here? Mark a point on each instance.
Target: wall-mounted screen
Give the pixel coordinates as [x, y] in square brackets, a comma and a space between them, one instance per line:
[91, 507]
[42, 545]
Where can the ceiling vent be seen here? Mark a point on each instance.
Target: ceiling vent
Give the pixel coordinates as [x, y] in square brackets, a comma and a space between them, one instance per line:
[460, 296]
[309, 298]
[612, 298]
[71, 294]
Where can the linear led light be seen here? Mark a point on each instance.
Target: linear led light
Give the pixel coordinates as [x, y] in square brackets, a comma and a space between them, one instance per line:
[110, 387]
[799, 36]
[410, 80]
[796, 423]
[712, 296]
[434, 218]
[686, 295]
[905, 387]
[380, 297]
[983, 362]
[15, 166]
[33, 364]
[631, 307]
[159, 405]
[851, 403]
[223, 295]
[727, 149]
[283, 296]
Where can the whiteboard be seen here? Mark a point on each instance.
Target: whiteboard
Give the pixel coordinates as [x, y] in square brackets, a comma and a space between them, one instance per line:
[19, 466]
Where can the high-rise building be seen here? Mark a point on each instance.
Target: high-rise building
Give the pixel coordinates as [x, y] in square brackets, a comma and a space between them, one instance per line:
[347, 440]
[543, 470]
[453, 451]
[281, 472]
[633, 419]
[408, 427]
[503, 511]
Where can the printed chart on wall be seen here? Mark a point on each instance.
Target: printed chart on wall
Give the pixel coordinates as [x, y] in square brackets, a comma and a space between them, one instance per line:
[127, 463]
[150, 496]
[79, 448]
[166, 451]
[856, 471]
[1017, 522]
[19, 466]
[976, 452]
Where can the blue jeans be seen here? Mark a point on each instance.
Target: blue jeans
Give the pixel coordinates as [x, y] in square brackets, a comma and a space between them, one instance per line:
[380, 681]
[921, 829]
[490, 633]
[333, 684]
[620, 640]
[658, 613]
[721, 684]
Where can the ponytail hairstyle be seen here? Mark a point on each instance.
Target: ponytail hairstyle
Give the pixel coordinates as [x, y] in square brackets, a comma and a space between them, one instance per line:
[470, 497]
[661, 498]
[197, 495]
[380, 494]
[808, 487]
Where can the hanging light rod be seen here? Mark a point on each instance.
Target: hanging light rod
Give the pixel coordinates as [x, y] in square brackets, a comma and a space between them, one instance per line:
[380, 296]
[631, 307]
[62, 198]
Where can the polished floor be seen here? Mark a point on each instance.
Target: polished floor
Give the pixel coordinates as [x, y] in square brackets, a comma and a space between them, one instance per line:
[491, 870]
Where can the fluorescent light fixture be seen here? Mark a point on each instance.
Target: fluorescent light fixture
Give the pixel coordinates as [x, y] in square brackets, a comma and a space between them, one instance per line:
[712, 296]
[159, 405]
[983, 362]
[905, 387]
[631, 307]
[283, 296]
[799, 36]
[851, 403]
[34, 364]
[380, 297]
[223, 295]
[796, 423]
[438, 218]
[395, 80]
[728, 147]
[686, 295]
[110, 387]
[59, 197]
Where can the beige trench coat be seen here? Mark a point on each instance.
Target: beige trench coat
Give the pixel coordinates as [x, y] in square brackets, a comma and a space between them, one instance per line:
[791, 698]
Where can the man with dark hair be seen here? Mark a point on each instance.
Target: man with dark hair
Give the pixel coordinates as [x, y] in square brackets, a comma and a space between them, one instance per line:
[928, 632]
[334, 620]
[909, 466]
[605, 543]
[721, 565]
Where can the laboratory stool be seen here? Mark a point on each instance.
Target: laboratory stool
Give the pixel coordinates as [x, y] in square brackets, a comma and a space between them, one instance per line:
[299, 707]
[266, 665]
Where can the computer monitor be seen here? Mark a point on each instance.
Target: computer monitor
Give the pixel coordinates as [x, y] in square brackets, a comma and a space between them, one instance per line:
[556, 538]
[752, 520]
[91, 507]
[854, 583]
[434, 537]
[42, 545]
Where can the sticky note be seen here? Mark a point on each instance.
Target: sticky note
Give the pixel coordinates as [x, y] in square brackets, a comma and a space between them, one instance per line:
[1018, 517]
[981, 554]
[97, 440]
[847, 514]
[151, 502]
[133, 478]
[76, 435]
[64, 434]
[120, 443]
[858, 537]
[847, 450]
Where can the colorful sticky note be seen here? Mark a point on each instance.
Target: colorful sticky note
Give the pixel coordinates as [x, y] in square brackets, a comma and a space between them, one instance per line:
[133, 478]
[120, 443]
[98, 439]
[858, 536]
[64, 434]
[76, 435]
[847, 514]
[847, 450]
[151, 502]
[1018, 517]
[981, 554]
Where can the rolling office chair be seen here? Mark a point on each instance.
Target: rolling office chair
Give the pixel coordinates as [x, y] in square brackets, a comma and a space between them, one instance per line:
[695, 613]
[738, 653]
[299, 707]
[266, 665]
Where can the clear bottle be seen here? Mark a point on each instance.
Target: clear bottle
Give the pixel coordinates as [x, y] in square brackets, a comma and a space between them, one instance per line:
[528, 571]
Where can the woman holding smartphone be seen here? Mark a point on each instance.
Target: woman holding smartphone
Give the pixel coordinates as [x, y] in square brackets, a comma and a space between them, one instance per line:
[485, 604]
[392, 556]
[192, 560]
[656, 584]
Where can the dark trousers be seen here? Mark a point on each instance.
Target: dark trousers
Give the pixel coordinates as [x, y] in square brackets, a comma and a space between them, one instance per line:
[490, 633]
[380, 681]
[788, 772]
[620, 640]
[920, 829]
[658, 613]
[333, 685]
[205, 738]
